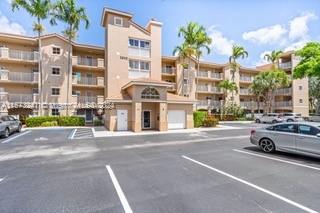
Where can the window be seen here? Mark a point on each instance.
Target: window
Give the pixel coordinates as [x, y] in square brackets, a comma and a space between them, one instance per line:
[56, 50]
[11, 118]
[75, 93]
[308, 130]
[139, 65]
[300, 101]
[145, 44]
[55, 70]
[300, 87]
[118, 21]
[139, 43]
[150, 93]
[55, 112]
[5, 118]
[55, 91]
[35, 90]
[286, 128]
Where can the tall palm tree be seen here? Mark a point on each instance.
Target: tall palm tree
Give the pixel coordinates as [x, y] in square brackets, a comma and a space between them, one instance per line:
[197, 38]
[258, 89]
[68, 12]
[237, 52]
[184, 51]
[39, 9]
[274, 58]
[228, 86]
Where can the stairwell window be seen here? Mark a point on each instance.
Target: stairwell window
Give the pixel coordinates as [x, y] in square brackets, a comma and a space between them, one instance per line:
[55, 91]
[118, 21]
[56, 50]
[55, 112]
[55, 71]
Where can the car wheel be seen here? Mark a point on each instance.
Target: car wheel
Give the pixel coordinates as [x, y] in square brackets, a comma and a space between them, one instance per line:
[274, 121]
[289, 120]
[258, 121]
[267, 145]
[6, 133]
[19, 128]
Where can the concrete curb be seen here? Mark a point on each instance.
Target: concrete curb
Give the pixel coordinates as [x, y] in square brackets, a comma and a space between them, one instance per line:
[236, 122]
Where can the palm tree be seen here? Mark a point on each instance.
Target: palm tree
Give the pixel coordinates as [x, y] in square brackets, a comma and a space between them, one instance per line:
[258, 89]
[228, 86]
[39, 9]
[196, 37]
[67, 11]
[184, 51]
[274, 58]
[237, 52]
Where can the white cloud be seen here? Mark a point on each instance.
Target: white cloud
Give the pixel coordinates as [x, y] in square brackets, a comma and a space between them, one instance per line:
[220, 44]
[262, 60]
[10, 27]
[298, 26]
[271, 34]
[296, 45]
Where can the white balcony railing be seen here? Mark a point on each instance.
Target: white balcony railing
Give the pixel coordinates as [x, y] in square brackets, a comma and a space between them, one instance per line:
[209, 103]
[245, 91]
[87, 99]
[20, 98]
[88, 61]
[18, 76]
[203, 74]
[279, 104]
[203, 88]
[216, 75]
[246, 78]
[18, 54]
[216, 90]
[285, 65]
[168, 70]
[284, 91]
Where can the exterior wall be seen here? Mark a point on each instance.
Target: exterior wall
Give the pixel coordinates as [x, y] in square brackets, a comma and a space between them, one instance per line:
[111, 117]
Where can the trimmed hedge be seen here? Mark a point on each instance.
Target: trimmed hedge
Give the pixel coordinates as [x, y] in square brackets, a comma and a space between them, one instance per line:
[49, 123]
[199, 117]
[60, 121]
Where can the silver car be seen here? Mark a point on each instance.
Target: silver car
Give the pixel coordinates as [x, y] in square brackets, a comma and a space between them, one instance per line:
[296, 137]
[8, 125]
[269, 118]
[291, 117]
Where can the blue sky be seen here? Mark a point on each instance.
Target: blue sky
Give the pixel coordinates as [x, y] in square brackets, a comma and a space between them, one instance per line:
[259, 26]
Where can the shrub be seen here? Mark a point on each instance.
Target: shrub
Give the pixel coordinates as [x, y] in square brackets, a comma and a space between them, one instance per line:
[49, 123]
[71, 121]
[38, 121]
[198, 118]
[97, 122]
[60, 121]
[210, 121]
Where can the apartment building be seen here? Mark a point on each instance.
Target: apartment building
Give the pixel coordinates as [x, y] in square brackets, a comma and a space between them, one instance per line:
[147, 90]
[19, 76]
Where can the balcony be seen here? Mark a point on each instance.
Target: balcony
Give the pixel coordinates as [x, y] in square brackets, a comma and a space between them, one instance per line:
[208, 103]
[18, 77]
[202, 88]
[88, 62]
[216, 90]
[168, 70]
[284, 91]
[283, 104]
[173, 87]
[85, 81]
[18, 55]
[285, 65]
[18, 98]
[203, 74]
[88, 99]
[245, 91]
[244, 78]
[216, 75]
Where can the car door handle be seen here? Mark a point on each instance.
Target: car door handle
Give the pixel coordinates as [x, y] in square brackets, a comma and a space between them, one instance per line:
[301, 137]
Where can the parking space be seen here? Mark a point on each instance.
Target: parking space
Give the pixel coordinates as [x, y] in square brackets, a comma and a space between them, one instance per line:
[212, 171]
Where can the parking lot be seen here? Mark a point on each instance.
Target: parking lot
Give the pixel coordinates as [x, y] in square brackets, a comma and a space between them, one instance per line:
[208, 171]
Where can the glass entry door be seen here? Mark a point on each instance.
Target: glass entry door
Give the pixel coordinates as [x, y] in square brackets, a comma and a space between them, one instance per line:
[146, 120]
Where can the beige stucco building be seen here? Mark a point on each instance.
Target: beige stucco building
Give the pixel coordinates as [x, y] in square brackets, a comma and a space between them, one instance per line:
[147, 90]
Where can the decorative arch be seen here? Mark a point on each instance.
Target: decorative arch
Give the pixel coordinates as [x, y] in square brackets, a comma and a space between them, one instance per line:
[150, 93]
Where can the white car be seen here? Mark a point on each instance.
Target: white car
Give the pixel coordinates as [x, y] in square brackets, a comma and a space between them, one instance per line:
[314, 118]
[292, 117]
[269, 118]
[296, 137]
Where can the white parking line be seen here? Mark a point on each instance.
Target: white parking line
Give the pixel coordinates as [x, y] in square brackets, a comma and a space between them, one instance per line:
[17, 136]
[122, 197]
[73, 133]
[304, 208]
[277, 159]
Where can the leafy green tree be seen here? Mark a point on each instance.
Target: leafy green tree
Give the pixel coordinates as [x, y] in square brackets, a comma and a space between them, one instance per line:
[309, 65]
[258, 90]
[274, 58]
[269, 81]
[196, 37]
[39, 9]
[228, 86]
[314, 94]
[68, 12]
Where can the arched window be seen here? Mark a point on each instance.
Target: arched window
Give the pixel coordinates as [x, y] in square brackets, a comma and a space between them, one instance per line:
[150, 93]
